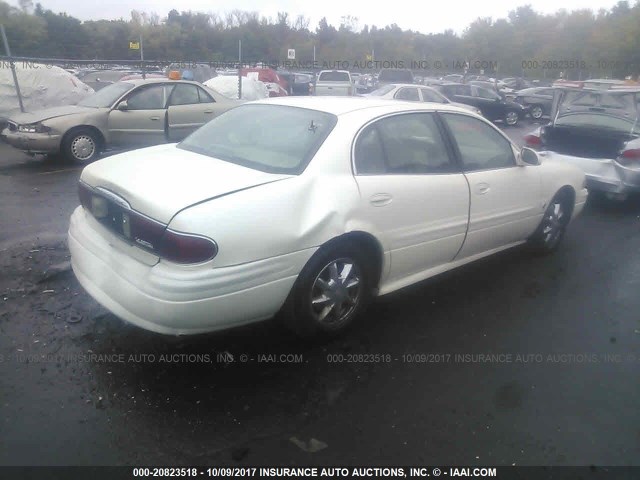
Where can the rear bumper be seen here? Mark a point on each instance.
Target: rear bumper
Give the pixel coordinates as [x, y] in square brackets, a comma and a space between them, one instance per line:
[32, 142]
[173, 299]
[603, 174]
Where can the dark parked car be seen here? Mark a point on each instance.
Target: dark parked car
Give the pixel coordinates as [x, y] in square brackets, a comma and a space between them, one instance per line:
[298, 83]
[537, 100]
[517, 83]
[493, 106]
[394, 75]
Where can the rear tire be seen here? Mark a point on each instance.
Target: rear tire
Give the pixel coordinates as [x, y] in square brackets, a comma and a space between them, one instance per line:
[553, 226]
[332, 290]
[81, 146]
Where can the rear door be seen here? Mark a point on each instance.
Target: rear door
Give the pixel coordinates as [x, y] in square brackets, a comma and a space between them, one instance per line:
[143, 121]
[506, 202]
[190, 107]
[412, 192]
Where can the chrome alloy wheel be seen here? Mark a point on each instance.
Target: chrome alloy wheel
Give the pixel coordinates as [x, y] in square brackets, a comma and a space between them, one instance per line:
[336, 292]
[553, 223]
[511, 118]
[536, 112]
[83, 147]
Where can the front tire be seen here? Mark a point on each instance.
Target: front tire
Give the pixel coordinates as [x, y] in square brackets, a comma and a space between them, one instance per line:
[81, 146]
[332, 290]
[553, 226]
[511, 118]
[536, 112]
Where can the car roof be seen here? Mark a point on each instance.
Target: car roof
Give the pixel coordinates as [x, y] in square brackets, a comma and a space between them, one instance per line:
[140, 81]
[343, 105]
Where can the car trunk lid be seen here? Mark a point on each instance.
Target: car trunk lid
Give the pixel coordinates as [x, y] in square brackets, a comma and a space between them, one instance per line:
[163, 180]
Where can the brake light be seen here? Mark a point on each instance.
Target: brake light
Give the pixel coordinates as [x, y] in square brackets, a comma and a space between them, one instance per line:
[533, 141]
[632, 153]
[630, 158]
[146, 233]
[186, 248]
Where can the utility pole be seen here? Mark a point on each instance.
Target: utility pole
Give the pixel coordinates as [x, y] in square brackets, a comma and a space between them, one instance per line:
[13, 67]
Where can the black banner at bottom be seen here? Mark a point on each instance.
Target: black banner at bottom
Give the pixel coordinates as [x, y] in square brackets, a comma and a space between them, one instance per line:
[322, 473]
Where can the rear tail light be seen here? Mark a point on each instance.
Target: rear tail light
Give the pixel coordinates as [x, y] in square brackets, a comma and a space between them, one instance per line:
[533, 141]
[145, 232]
[186, 248]
[630, 158]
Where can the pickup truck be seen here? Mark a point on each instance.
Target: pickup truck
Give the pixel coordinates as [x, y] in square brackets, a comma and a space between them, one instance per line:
[334, 82]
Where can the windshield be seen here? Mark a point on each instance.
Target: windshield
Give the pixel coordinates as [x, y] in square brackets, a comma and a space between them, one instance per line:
[382, 90]
[107, 96]
[269, 138]
[334, 77]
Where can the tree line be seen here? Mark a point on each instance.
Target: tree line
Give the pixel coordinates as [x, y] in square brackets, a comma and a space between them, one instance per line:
[577, 44]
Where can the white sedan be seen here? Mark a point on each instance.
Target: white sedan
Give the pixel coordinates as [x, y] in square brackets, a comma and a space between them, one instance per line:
[308, 208]
[416, 93]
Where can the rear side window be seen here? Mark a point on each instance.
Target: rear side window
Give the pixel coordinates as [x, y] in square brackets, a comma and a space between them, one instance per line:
[334, 77]
[408, 94]
[407, 144]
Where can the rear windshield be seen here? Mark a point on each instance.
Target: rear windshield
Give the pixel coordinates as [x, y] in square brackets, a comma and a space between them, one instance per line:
[269, 138]
[334, 77]
[382, 91]
[396, 76]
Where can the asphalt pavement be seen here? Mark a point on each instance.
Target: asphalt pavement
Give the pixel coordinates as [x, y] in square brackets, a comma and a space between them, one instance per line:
[516, 359]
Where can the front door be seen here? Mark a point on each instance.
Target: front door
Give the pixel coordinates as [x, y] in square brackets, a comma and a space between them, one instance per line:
[142, 123]
[506, 205]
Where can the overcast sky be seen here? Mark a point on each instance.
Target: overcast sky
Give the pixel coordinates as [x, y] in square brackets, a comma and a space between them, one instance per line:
[426, 17]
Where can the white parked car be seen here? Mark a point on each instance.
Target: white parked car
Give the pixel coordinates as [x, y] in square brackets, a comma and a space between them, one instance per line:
[416, 93]
[307, 207]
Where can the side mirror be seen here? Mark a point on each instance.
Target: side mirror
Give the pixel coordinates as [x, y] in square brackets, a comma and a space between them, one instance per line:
[123, 106]
[529, 156]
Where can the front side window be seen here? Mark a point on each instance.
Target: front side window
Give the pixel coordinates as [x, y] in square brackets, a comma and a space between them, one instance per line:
[269, 138]
[480, 145]
[406, 144]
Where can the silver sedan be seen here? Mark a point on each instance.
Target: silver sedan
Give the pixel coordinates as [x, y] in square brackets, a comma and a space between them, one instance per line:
[127, 114]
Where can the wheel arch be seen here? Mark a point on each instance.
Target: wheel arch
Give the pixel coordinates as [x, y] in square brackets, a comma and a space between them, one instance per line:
[371, 248]
[100, 136]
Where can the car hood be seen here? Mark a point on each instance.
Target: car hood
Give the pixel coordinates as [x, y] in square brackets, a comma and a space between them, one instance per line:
[163, 180]
[47, 113]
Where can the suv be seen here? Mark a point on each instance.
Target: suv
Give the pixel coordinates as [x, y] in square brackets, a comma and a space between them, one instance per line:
[394, 75]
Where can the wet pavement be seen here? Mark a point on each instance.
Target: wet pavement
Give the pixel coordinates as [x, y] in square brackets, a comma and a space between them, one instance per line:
[516, 359]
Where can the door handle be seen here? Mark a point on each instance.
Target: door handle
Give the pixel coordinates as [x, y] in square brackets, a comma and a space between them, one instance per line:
[154, 118]
[380, 199]
[208, 111]
[482, 188]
